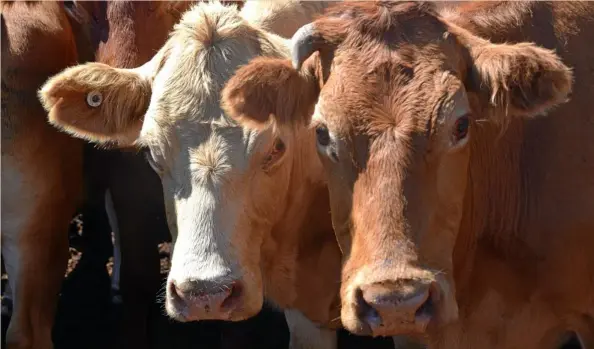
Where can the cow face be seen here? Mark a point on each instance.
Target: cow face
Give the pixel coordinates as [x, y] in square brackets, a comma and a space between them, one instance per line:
[224, 186]
[402, 100]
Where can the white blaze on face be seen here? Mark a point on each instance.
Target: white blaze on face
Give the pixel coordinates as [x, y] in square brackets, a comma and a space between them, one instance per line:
[207, 209]
[200, 181]
[203, 245]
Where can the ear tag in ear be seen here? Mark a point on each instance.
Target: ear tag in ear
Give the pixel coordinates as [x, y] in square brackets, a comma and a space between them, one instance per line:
[94, 99]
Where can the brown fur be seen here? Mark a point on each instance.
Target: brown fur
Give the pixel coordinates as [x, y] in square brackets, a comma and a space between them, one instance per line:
[50, 161]
[277, 91]
[135, 29]
[116, 101]
[308, 230]
[494, 228]
[41, 174]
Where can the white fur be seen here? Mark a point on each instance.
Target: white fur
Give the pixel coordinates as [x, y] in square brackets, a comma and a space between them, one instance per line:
[307, 335]
[201, 240]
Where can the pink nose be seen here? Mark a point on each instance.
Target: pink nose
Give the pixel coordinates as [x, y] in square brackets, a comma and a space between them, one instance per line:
[385, 309]
[195, 300]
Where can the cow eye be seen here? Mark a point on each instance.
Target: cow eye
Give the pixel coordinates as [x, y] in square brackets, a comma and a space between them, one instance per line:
[323, 136]
[94, 99]
[277, 151]
[461, 126]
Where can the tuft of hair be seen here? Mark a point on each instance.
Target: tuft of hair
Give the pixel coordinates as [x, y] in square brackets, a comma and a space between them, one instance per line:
[270, 88]
[520, 79]
[125, 99]
[371, 19]
[209, 22]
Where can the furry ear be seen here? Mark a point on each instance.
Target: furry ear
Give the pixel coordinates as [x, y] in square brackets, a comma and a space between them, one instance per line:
[520, 79]
[97, 102]
[269, 88]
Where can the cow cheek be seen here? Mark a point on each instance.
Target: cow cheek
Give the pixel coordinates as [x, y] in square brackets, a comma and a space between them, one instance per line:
[452, 182]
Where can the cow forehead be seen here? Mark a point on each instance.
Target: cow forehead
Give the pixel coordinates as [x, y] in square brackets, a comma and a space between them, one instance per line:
[205, 153]
[185, 99]
[386, 94]
[390, 55]
[185, 90]
[185, 123]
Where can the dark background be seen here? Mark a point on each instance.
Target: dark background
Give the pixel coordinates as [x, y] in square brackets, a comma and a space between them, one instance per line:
[88, 319]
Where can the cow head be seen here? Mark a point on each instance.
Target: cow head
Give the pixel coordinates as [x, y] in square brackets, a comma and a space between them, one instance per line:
[225, 186]
[404, 96]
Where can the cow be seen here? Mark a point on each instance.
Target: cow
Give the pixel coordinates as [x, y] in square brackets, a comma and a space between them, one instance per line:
[114, 33]
[41, 167]
[458, 151]
[247, 221]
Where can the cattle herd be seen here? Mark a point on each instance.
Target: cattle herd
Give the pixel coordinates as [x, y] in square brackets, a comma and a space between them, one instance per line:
[417, 172]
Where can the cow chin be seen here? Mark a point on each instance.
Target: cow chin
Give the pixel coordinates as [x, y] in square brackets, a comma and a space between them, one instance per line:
[412, 305]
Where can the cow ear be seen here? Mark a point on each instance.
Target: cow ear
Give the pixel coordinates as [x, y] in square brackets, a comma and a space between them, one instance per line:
[268, 90]
[97, 102]
[518, 80]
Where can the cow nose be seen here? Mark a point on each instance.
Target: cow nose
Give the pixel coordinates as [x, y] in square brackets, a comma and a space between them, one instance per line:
[384, 308]
[196, 300]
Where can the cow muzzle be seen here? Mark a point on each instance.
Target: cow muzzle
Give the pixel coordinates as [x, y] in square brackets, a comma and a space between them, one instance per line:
[193, 300]
[391, 308]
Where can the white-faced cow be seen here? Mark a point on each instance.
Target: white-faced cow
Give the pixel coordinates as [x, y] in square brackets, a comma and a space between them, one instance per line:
[42, 169]
[248, 216]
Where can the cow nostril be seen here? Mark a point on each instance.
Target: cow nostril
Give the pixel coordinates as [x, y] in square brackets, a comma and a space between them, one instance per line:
[208, 296]
[175, 297]
[362, 306]
[426, 309]
[173, 291]
[366, 312]
[384, 305]
[235, 292]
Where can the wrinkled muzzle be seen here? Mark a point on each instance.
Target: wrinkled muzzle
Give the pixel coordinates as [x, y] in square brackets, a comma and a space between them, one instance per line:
[381, 302]
[207, 286]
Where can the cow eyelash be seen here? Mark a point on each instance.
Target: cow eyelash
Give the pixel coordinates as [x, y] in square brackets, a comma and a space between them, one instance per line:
[324, 142]
[461, 130]
[322, 135]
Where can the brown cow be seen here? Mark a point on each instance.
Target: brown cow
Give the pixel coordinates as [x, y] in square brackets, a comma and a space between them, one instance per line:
[232, 239]
[41, 168]
[460, 182]
[117, 33]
